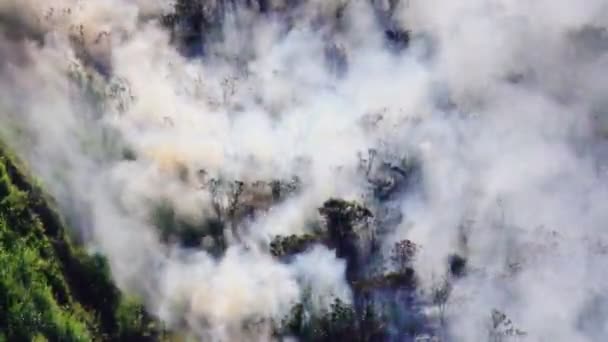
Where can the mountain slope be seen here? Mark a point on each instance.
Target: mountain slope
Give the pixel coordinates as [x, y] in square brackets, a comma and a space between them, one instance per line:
[51, 289]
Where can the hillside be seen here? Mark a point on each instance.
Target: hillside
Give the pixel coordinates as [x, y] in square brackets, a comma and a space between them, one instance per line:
[51, 289]
[309, 170]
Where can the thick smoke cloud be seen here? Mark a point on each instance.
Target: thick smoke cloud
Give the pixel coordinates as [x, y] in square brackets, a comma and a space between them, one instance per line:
[501, 102]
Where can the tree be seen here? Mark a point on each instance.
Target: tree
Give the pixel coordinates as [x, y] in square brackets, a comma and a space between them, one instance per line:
[341, 218]
[403, 254]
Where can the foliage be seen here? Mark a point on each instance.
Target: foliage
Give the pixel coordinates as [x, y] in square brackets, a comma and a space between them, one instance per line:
[343, 214]
[341, 322]
[285, 246]
[49, 288]
[393, 280]
[342, 218]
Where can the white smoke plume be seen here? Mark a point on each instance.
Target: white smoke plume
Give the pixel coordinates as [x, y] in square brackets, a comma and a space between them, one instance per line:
[501, 102]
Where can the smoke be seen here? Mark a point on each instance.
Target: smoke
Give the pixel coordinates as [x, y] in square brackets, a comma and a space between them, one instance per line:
[501, 103]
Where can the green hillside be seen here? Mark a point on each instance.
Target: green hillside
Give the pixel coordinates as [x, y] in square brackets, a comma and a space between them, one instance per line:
[51, 289]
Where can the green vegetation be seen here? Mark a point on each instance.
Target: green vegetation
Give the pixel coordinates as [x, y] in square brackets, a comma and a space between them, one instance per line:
[284, 246]
[340, 323]
[51, 289]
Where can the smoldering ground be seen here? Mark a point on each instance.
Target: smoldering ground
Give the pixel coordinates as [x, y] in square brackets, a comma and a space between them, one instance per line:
[500, 103]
